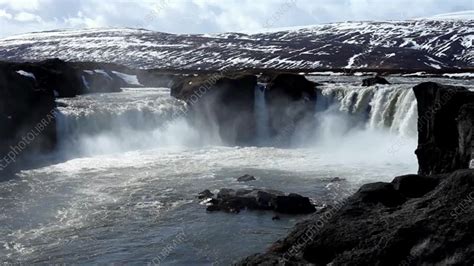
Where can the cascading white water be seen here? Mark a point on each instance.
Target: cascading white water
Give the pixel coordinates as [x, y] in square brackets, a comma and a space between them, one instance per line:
[391, 108]
[130, 120]
[261, 115]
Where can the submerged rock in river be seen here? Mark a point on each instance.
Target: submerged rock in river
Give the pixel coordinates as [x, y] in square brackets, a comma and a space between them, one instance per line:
[246, 178]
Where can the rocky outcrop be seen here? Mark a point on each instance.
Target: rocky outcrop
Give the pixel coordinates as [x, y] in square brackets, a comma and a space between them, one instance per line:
[444, 127]
[68, 79]
[245, 178]
[230, 200]
[27, 101]
[374, 81]
[228, 100]
[413, 220]
[293, 86]
[221, 102]
[465, 123]
[27, 122]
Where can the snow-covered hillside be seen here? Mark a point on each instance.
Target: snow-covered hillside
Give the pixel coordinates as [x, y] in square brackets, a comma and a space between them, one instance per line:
[415, 44]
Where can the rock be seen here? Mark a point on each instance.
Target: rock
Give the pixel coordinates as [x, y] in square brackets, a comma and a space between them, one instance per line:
[276, 218]
[100, 80]
[245, 178]
[414, 186]
[292, 86]
[432, 228]
[374, 81]
[380, 192]
[205, 194]
[444, 127]
[290, 99]
[27, 121]
[293, 204]
[337, 179]
[230, 200]
[465, 123]
[221, 101]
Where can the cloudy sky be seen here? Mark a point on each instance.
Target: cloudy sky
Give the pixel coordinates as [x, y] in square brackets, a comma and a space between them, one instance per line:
[201, 16]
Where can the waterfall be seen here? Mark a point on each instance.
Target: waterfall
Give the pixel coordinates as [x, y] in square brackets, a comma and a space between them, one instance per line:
[392, 108]
[261, 115]
[118, 122]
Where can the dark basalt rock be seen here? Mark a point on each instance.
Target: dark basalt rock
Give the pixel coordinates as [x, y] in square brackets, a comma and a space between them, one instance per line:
[27, 101]
[227, 100]
[27, 122]
[444, 128]
[221, 101]
[101, 81]
[230, 200]
[374, 81]
[246, 178]
[432, 228]
[205, 194]
[465, 123]
[414, 186]
[380, 192]
[290, 99]
[337, 179]
[67, 79]
[293, 86]
[293, 204]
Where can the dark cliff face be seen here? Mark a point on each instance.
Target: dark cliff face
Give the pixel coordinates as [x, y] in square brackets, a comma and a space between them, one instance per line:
[223, 102]
[444, 132]
[228, 101]
[66, 79]
[27, 101]
[26, 115]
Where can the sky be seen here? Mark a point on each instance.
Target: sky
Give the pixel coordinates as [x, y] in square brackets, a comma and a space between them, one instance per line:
[207, 16]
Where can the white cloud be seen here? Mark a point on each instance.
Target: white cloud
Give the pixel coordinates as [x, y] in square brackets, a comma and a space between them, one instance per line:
[4, 14]
[22, 4]
[27, 17]
[199, 16]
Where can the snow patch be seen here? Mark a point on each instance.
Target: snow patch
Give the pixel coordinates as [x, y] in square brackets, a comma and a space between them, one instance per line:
[459, 75]
[26, 74]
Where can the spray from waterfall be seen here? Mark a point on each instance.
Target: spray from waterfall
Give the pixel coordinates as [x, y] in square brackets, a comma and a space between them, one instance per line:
[376, 124]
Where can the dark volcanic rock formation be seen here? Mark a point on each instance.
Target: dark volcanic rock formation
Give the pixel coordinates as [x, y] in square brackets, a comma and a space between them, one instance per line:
[374, 81]
[245, 178]
[67, 79]
[27, 120]
[293, 86]
[291, 98]
[230, 200]
[227, 100]
[27, 101]
[222, 102]
[444, 127]
[432, 225]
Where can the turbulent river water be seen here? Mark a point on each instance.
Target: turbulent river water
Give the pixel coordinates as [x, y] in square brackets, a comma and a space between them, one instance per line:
[122, 186]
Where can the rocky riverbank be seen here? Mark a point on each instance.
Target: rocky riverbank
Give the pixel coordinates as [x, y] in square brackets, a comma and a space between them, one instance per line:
[415, 219]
